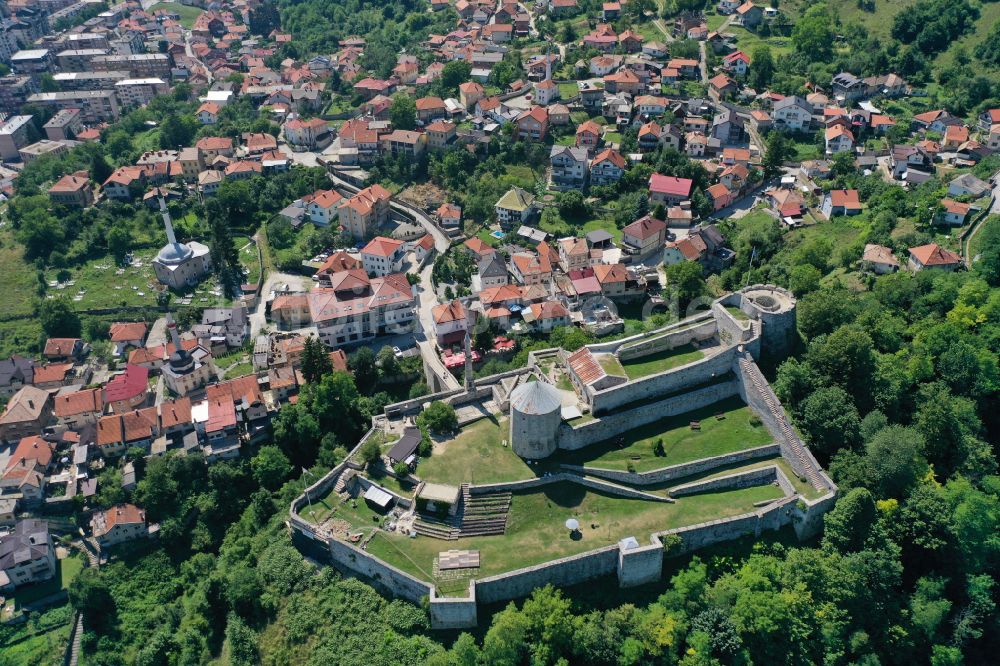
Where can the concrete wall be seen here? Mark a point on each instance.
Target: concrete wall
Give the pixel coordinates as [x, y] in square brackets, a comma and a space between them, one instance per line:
[562, 572]
[698, 331]
[664, 383]
[611, 425]
[679, 471]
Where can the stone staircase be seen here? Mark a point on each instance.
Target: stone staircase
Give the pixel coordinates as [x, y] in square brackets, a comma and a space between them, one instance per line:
[342, 481]
[448, 528]
[751, 371]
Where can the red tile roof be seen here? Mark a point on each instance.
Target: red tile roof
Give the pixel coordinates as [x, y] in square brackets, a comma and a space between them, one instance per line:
[670, 185]
[934, 255]
[127, 331]
[134, 381]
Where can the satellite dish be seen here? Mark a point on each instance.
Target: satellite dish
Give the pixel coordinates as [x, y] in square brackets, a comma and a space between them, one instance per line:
[572, 524]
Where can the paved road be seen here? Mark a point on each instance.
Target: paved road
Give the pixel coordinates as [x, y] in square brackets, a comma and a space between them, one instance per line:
[994, 210]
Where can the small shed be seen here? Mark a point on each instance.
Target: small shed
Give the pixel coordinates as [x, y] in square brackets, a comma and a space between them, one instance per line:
[379, 498]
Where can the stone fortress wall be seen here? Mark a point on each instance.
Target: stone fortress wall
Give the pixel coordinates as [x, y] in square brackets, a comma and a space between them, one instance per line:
[771, 325]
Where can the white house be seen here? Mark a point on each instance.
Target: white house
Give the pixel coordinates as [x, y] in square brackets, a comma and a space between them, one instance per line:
[383, 256]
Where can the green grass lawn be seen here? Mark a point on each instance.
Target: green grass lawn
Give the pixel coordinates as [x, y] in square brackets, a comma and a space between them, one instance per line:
[661, 361]
[738, 314]
[607, 225]
[536, 531]
[248, 257]
[681, 444]
[523, 173]
[356, 512]
[187, 14]
[747, 41]
[568, 90]
[476, 455]
[610, 364]
[17, 278]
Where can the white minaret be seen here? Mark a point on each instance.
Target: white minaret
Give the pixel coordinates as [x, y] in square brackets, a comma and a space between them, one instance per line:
[171, 238]
[172, 328]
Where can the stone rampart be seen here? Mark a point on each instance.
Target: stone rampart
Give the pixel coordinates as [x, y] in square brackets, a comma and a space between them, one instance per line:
[454, 612]
[564, 477]
[672, 381]
[697, 332]
[750, 478]
[562, 572]
[640, 565]
[771, 517]
[678, 471]
[610, 425]
[613, 346]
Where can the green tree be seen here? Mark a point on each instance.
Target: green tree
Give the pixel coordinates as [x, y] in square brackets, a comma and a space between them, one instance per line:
[365, 371]
[90, 595]
[315, 360]
[403, 112]
[388, 364]
[685, 281]
[812, 36]
[370, 451]
[896, 456]
[830, 420]
[271, 467]
[761, 68]
[454, 74]
[58, 318]
[439, 417]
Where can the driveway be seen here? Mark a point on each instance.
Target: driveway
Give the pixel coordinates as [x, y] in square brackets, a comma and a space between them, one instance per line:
[258, 319]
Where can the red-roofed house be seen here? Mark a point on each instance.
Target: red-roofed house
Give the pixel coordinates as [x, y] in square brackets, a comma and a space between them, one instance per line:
[841, 202]
[933, 256]
[366, 210]
[547, 315]
[532, 125]
[127, 334]
[644, 236]
[451, 321]
[121, 523]
[953, 213]
[669, 190]
[382, 256]
[118, 433]
[128, 390]
[323, 206]
[607, 167]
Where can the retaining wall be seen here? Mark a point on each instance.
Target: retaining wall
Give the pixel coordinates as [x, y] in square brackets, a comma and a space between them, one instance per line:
[731, 330]
[610, 425]
[671, 381]
[695, 333]
[750, 478]
[681, 470]
[563, 477]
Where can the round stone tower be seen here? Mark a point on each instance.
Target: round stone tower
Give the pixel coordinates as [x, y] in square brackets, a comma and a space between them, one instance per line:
[775, 308]
[535, 416]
